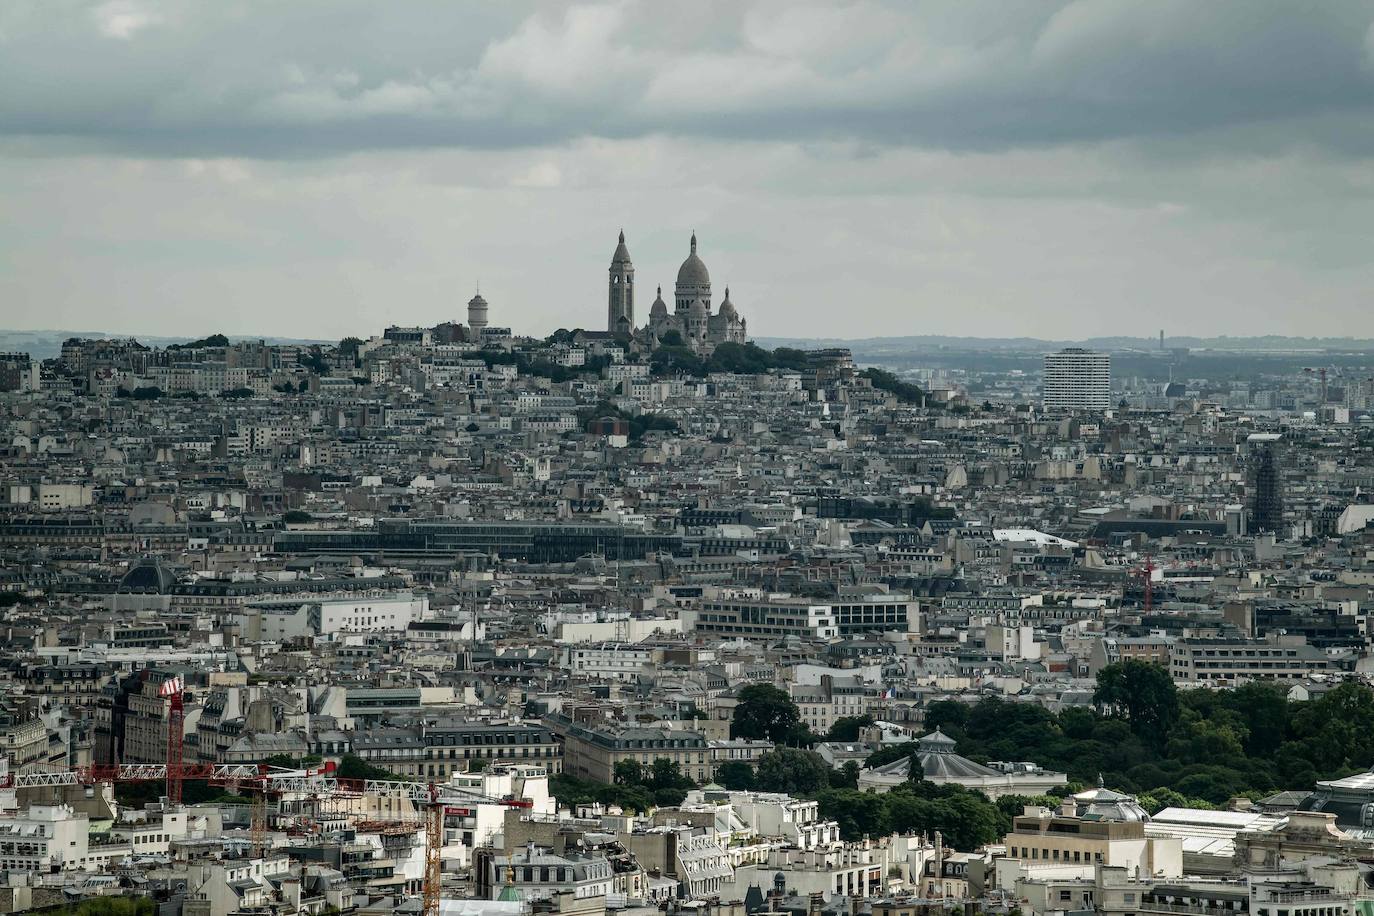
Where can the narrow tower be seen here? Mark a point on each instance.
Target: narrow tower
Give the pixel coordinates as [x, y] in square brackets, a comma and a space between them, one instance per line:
[620, 314]
[477, 315]
[1267, 514]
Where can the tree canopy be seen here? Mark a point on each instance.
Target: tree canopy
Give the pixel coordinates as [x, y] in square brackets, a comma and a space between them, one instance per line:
[1249, 741]
[886, 381]
[765, 712]
[792, 770]
[1144, 693]
[847, 728]
[213, 340]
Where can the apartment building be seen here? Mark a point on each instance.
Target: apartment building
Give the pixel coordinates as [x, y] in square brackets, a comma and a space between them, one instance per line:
[1234, 660]
[442, 747]
[592, 752]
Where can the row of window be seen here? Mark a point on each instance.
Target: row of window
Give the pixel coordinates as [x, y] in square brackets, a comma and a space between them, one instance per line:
[1053, 855]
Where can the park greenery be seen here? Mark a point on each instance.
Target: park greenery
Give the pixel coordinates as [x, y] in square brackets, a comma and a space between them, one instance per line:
[636, 787]
[1171, 747]
[883, 380]
[1197, 748]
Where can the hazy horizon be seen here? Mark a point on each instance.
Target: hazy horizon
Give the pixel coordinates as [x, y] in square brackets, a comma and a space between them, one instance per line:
[1060, 171]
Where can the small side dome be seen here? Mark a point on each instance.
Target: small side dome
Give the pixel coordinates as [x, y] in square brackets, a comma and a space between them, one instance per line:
[727, 308]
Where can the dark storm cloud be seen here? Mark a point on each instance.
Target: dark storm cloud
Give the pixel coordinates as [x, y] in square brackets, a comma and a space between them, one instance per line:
[308, 79]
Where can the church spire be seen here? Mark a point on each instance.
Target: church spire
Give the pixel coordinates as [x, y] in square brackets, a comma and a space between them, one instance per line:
[694, 241]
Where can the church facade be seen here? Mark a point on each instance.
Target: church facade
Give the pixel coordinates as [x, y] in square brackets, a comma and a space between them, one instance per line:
[691, 319]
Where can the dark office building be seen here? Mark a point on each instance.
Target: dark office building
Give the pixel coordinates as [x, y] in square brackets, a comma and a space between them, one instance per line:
[1266, 512]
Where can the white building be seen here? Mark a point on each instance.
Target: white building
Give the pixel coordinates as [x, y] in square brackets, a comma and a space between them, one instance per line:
[1077, 379]
[329, 617]
[776, 815]
[43, 838]
[617, 661]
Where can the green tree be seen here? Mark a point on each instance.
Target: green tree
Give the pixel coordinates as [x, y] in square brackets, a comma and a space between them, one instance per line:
[764, 712]
[859, 814]
[847, 728]
[889, 753]
[669, 796]
[948, 716]
[846, 777]
[916, 771]
[792, 770]
[1144, 693]
[667, 774]
[1157, 800]
[1011, 806]
[213, 340]
[628, 773]
[354, 767]
[1265, 710]
[883, 380]
[736, 775]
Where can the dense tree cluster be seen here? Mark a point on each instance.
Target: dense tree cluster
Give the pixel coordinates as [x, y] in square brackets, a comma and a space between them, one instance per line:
[883, 380]
[765, 712]
[965, 818]
[354, 767]
[1170, 746]
[674, 357]
[636, 788]
[313, 359]
[847, 728]
[213, 340]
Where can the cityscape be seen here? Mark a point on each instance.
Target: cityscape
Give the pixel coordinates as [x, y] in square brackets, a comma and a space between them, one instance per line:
[335, 581]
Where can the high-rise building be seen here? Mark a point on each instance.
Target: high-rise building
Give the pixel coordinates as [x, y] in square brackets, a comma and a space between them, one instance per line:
[620, 317]
[1266, 510]
[1077, 379]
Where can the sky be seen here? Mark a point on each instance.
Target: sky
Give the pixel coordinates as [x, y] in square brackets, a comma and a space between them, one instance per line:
[1047, 169]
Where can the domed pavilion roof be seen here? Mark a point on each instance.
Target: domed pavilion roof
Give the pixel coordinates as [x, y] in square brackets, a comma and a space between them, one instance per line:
[148, 576]
[693, 272]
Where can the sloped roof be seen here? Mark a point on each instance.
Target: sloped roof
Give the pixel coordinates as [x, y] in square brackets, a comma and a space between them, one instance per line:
[938, 761]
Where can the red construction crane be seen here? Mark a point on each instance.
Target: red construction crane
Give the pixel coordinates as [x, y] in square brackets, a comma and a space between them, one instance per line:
[434, 846]
[1147, 573]
[174, 688]
[437, 799]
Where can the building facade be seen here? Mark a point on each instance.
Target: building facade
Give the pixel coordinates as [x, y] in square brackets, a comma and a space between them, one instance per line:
[1077, 379]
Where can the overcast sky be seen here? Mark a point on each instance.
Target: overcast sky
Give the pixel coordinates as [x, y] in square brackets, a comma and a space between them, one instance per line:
[1004, 168]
